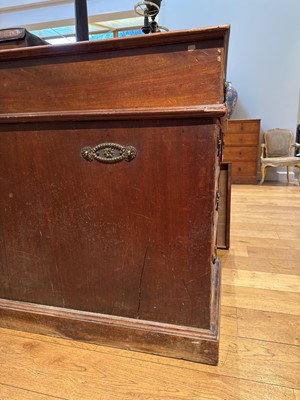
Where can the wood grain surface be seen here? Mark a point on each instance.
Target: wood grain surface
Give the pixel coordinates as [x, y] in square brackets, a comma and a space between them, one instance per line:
[15, 393]
[117, 239]
[241, 148]
[84, 374]
[270, 326]
[97, 75]
[105, 240]
[259, 352]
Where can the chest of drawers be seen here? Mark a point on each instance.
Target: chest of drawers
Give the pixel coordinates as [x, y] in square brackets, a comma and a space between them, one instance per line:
[241, 148]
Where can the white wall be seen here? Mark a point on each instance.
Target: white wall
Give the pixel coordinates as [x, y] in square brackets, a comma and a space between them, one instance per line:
[59, 12]
[264, 52]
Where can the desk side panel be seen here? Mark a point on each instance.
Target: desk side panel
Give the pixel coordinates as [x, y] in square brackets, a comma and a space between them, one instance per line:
[132, 239]
[177, 75]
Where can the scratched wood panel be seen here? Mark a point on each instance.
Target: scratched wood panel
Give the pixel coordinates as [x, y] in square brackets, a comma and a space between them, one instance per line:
[103, 237]
[228, 325]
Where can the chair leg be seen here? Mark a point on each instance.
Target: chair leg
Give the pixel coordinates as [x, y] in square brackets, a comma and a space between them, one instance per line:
[288, 174]
[263, 174]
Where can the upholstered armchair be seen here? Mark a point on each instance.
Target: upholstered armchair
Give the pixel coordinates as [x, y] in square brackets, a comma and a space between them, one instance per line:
[277, 151]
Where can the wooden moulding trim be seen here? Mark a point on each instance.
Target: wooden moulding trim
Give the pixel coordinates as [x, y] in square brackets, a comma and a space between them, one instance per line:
[156, 39]
[216, 298]
[199, 345]
[103, 319]
[213, 110]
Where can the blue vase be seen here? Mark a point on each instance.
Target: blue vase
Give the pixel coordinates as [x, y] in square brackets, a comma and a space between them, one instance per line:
[231, 98]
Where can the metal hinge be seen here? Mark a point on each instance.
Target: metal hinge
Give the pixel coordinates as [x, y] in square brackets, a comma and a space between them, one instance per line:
[218, 195]
[215, 255]
[219, 146]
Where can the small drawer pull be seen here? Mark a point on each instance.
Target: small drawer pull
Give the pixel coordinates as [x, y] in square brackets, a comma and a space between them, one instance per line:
[109, 153]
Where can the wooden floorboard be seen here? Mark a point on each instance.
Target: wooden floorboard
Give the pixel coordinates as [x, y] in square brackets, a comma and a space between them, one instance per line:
[262, 280]
[75, 373]
[15, 393]
[259, 349]
[265, 265]
[269, 326]
[260, 299]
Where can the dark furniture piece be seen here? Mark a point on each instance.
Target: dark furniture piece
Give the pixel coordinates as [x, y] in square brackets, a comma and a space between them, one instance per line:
[241, 148]
[109, 157]
[19, 37]
[223, 234]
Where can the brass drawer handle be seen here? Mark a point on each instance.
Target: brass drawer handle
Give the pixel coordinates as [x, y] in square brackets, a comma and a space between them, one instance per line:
[109, 153]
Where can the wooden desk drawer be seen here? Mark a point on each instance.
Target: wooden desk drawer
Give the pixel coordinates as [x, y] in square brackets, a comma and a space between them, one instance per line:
[244, 126]
[240, 153]
[244, 168]
[247, 139]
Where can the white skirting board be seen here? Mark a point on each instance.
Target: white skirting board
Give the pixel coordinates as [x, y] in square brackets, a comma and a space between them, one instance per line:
[279, 174]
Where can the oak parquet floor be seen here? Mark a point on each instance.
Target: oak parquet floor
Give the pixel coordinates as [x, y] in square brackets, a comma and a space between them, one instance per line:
[260, 327]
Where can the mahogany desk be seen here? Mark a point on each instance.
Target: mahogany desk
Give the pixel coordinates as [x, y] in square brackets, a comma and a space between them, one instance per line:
[109, 155]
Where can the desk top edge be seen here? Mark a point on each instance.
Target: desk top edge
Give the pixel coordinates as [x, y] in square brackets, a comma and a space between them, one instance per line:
[142, 41]
[203, 111]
